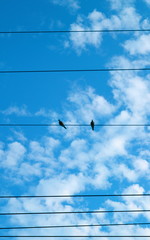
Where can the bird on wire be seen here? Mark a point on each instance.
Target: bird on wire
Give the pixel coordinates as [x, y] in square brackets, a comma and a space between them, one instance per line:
[62, 124]
[92, 125]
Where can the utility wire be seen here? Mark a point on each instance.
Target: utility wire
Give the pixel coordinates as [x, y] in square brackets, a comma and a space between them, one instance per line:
[75, 31]
[75, 70]
[70, 125]
[78, 225]
[81, 195]
[74, 212]
[81, 236]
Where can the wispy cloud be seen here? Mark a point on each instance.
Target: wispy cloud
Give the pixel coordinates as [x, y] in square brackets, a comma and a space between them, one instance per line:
[19, 135]
[131, 203]
[73, 4]
[19, 111]
[119, 4]
[147, 1]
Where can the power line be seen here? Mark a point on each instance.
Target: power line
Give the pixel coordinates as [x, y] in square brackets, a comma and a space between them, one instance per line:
[70, 125]
[81, 236]
[81, 195]
[78, 225]
[75, 70]
[75, 31]
[75, 212]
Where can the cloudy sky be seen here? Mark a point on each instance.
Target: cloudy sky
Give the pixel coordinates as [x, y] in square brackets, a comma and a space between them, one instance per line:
[52, 160]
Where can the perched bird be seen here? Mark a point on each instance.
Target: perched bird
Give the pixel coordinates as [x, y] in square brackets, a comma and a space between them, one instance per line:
[92, 125]
[62, 124]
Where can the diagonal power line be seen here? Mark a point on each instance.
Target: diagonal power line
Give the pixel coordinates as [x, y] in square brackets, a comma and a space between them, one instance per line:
[77, 225]
[74, 70]
[76, 212]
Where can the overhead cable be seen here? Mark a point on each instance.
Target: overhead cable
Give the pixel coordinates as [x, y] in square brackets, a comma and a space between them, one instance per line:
[74, 31]
[74, 236]
[76, 212]
[71, 125]
[74, 70]
[77, 195]
[76, 226]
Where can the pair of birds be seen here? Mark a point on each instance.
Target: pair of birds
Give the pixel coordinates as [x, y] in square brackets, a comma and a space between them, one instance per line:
[63, 125]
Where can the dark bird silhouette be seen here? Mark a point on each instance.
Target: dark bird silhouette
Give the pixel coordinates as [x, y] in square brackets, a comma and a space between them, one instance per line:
[92, 125]
[62, 124]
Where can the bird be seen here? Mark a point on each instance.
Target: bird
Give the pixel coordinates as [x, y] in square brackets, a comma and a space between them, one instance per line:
[62, 124]
[92, 125]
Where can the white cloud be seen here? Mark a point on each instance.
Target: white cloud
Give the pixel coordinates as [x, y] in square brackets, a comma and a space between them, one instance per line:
[139, 45]
[62, 184]
[13, 155]
[42, 112]
[100, 177]
[40, 159]
[73, 4]
[43, 152]
[147, 1]
[19, 111]
[127, 18]
[27, 170]
[141, 166]
[130, 89]
[19, 136]
[145, 153]
[86, 105]
[75, 154]
[123, 171]
[119, 4]
[90, 105]
[129, 203]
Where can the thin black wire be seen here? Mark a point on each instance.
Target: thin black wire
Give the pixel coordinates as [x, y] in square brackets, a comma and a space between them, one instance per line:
[70, 125]
[74, 31]
[79, 225]
[75, 212]
[75, 70]
[81, 195]
[87, 236]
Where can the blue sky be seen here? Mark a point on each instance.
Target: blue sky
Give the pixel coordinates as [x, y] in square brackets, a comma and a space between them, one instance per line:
[53, 160]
